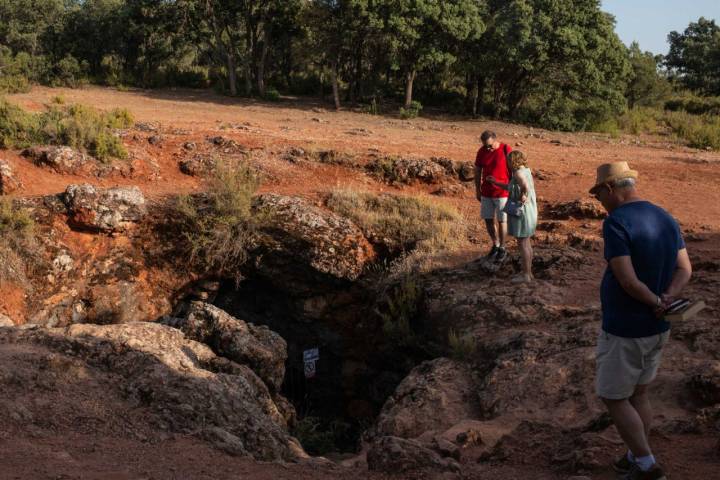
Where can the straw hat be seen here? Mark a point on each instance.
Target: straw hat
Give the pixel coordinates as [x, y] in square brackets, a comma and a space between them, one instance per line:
[609, 172]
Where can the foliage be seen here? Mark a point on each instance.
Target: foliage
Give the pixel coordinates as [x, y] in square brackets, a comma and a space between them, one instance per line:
[406, 221]
[694, 57]
[399, 308]
[318, 436]
[462, 347]
[700, 131]
[413, 111]
[646, 88]
[17, 245]
[78, 126]
[216, 228]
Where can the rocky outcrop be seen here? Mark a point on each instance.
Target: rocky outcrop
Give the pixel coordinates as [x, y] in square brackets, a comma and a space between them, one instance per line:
[105, 210]
[256, 346]
[62, 159]
[188, 388]
[296, 236]
[407, 170]
[578, 209]
[435, 395]
[9, 182]
[398, 455]
[198, 165]
[705, 385]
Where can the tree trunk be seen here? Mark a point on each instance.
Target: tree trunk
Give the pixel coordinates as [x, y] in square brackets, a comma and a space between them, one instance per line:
[335, 86]
[410, 78]
[232, 73]
[262, 59]
[247, 64]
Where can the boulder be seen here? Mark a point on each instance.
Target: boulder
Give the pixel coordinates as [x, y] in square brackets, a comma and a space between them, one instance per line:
[397, 455]
[435, 395]
[407, 170]
[466, 171]
[105, 210]
[705, 385]
[62, 159]
[188, 388]
[198, 165]
[297, 238]
[8, 180]
[256, 346]
[6, 321]
[578, 209]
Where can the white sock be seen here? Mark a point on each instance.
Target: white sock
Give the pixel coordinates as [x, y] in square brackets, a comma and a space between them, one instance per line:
[630, 456]
[645, 463]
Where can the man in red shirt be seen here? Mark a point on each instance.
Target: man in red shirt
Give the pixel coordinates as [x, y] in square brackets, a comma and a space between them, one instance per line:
[491, 161]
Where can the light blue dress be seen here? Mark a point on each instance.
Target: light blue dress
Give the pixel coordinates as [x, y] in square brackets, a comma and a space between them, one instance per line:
[524, 225]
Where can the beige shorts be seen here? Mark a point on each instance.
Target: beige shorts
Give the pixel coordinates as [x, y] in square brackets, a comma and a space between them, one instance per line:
[624, 363]
[493, 208]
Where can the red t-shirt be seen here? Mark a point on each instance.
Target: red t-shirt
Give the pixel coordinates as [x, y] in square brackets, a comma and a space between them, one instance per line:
[493, 163]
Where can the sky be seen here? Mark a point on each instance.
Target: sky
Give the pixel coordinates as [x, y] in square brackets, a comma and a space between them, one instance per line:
[649, 21]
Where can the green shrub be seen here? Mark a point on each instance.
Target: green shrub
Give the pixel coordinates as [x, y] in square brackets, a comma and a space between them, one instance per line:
[609, 126]
[215, 228]
[639, 120]
[319, 437]
[462, 347]
[403, 222]
[272, 95]
[413, 111]
[68, 72]
[78, 126]
[398, 310]
[700, 131]
[17, 244]
[18, 128]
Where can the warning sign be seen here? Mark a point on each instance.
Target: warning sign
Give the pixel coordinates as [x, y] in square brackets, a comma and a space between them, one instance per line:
[310, 369]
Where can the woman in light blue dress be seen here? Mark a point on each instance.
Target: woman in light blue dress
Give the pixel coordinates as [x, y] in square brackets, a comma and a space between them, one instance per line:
[521, 209]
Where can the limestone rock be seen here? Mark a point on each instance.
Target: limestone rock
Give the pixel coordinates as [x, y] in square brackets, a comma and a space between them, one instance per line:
[397, 455]
[298, 235]
[705, 385]
[105, 210]
[578, 209]
[435, 395]
[256, 346]
[62, 159]
[189, 388]
[6, 321]
[407, 170]
[8, 180]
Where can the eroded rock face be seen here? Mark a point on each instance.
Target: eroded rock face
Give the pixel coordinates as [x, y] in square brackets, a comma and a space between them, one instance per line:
[9, 182]
[407, 170]
[399, 455]
[105, 210]
[190, 389]
[257, 346]
[705, 385]
[296, 234]
[433, 396]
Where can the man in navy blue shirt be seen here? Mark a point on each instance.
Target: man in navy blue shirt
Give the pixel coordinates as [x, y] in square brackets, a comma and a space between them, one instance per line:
[648, 266]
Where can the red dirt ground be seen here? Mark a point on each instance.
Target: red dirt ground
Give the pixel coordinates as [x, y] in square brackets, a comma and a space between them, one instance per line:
[683, 180]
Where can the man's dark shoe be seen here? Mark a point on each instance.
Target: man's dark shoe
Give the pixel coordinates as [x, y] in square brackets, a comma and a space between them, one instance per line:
[623, 464]
[501, 255]
[655, 473]
[491, 255]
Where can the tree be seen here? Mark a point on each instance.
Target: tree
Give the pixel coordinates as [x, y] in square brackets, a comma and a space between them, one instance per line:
[646, 88]
[694, 57]
[427, 33]
[558, 63]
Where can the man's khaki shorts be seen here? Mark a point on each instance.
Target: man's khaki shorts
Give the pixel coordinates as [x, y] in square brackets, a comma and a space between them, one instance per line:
[493, 207]
[624, 363]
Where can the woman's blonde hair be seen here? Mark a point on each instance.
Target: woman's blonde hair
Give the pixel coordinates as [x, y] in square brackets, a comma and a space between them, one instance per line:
[517, 159]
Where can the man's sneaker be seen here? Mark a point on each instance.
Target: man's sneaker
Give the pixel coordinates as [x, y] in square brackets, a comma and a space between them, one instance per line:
[501, 254]
[635, 473]
[493, 251]
[623, 464]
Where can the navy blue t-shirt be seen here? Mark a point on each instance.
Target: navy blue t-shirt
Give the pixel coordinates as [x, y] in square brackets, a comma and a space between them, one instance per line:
[652, 239]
